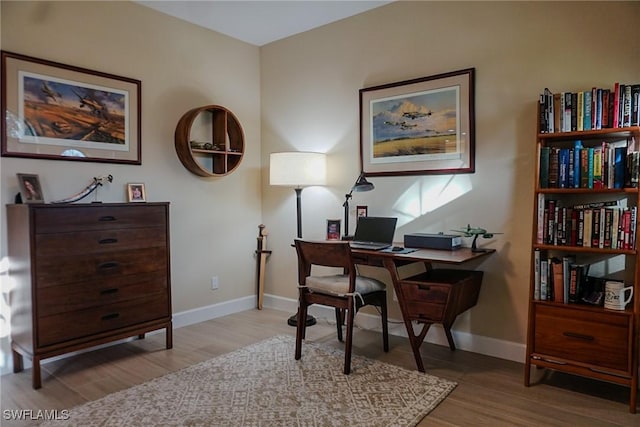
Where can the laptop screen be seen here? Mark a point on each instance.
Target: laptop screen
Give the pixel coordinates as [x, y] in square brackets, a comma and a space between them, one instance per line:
[375, 229]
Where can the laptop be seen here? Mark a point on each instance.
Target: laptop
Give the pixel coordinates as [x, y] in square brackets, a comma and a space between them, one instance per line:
[374, 233]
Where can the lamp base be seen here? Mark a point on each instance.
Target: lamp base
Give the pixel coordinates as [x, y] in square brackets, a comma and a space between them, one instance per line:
[293, 320]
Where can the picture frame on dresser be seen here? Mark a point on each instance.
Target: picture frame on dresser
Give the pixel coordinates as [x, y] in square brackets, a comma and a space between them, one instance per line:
[423, 126]
[30, 188]
[136, 193]
[62, 112]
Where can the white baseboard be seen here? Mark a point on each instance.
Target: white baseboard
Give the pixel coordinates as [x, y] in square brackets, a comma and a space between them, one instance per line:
[464, 341]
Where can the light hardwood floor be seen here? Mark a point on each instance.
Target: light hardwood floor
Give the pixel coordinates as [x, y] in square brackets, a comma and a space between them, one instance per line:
[490, 391]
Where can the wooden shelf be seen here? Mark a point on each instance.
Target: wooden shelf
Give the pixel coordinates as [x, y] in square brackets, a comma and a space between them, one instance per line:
[225, 131]
[582, 339]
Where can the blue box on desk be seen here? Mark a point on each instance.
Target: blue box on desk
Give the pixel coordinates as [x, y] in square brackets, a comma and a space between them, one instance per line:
[433, 241]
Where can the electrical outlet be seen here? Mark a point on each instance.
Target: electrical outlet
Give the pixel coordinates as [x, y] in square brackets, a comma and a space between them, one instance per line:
[214, 283]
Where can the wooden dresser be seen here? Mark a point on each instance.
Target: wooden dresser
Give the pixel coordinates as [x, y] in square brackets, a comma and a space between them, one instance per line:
[84, 275]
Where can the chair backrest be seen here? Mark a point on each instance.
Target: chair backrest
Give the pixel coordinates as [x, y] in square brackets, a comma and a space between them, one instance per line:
[325, 254]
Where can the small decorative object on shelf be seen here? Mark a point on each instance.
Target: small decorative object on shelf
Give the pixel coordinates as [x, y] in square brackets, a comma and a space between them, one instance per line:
[584, 237]
[136, 193]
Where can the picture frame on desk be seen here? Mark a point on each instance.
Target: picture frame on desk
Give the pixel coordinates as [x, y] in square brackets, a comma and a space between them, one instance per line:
[333, 229]
[62, 112]
[362, 211]
[423, 126]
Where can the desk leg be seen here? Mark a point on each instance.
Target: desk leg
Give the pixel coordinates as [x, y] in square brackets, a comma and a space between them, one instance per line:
[416, 341]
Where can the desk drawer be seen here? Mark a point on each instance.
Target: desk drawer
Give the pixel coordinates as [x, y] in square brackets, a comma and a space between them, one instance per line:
[426, 311]
[425, 292]
[595, 338]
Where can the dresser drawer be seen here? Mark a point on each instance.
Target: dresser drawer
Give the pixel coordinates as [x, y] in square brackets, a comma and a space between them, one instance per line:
[61, 219]
[94, 293]
[101, 241]
[59, 270]
[595, 338]
[84, 323]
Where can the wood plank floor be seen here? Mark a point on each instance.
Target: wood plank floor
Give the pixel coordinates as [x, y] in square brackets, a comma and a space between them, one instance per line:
[490, 391]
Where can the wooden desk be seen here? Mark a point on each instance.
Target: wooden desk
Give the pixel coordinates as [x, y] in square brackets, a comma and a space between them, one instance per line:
[433, 296]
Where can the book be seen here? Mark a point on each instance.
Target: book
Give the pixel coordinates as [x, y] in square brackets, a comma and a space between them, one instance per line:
[557, 280]
[626, 107]
[554, 170]
[587, 110]
[577, 149]
[616, 105]
[580, 108]
[536, 274]
[567, 261]
[545, 153]
[619, 157]
[635, 107]
[544, 279]
[578, 273]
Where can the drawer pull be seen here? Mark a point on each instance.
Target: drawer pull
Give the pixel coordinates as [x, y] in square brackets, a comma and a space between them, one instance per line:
[578, 336]
[107, 241]
[108, 265]
[108, 291]
[107, 218]
[110, 316]
[424, 287]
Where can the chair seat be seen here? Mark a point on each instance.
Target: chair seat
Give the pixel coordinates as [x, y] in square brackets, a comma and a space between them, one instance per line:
[339, 284]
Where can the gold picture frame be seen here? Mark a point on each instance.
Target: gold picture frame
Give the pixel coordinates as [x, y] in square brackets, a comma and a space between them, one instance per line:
[136, 193]
[62, 112]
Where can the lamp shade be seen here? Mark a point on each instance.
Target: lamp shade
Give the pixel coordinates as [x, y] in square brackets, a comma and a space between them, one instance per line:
[362, 184]
[297, 169]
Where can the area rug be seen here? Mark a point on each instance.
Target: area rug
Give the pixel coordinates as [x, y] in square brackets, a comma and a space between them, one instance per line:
[263, 385]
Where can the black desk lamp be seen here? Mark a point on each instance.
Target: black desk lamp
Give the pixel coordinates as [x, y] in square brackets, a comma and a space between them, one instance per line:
[361, 185]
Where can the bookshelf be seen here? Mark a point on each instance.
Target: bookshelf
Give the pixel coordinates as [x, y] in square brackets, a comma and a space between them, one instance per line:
[569, 330]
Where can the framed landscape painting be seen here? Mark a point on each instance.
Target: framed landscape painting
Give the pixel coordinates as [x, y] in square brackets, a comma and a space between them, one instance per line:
[61, 112]
[419, 127]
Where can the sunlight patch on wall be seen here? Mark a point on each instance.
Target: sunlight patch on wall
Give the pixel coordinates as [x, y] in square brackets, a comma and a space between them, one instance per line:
[429, 194]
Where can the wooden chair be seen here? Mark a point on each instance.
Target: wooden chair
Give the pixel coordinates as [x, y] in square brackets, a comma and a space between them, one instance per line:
[346, 292]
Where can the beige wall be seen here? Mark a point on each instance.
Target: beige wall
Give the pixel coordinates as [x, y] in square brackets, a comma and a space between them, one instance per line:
[301, 93]
[214, 221]
[309, 100]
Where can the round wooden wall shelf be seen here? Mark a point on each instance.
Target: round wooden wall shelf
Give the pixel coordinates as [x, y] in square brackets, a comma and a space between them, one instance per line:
[219, 150]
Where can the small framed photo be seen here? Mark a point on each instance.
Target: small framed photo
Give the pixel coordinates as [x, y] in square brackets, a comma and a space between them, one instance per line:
[333, 229]
[30, 188]
[362, 211]
[136, 193]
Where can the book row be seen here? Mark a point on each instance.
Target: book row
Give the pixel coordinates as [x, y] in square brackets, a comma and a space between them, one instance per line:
[598, 108]
[608, 165]
[563, 280]
[604, 225]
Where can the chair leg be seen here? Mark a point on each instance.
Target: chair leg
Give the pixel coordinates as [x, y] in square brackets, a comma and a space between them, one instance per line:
[385, 324]
[339, 322]
[301, 326]
[347, 349]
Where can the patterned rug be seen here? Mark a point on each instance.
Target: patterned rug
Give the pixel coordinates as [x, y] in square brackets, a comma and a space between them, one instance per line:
[263, 385]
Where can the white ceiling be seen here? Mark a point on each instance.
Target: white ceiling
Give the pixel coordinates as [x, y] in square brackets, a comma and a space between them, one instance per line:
[262, 22]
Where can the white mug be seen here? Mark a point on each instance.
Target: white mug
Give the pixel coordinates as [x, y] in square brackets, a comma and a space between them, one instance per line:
[614, 295]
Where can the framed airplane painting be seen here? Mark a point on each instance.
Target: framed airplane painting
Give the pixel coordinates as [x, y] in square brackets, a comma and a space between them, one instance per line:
[419, 127]
[62, 112]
